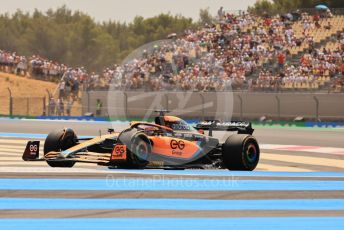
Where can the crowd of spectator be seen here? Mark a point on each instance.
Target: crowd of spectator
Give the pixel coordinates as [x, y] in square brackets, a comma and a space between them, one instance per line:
[34, 66]
[316, 69]
[68, 91]
[12, 63]
[217, 57]
[59, 107]
[45, 69]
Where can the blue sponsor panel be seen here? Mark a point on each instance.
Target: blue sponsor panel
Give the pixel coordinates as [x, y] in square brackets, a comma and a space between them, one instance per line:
[78, 118]
[281, 124]
[324, 124]
[245, 223]
[24, 135]
[30, 135]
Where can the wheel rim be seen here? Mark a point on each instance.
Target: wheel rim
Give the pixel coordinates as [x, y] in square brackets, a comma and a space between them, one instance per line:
[142, 150]
[251, 153]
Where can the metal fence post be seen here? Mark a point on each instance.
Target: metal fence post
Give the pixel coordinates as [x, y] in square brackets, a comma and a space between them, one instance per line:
[241, 107]
[49, 94]
[203, 102]
[10, 102]
[166, 98]
[44, 112]
[49, 97]
[125, 104]
[316, 108]
[278, 107]
[27, 106]
[88, 101]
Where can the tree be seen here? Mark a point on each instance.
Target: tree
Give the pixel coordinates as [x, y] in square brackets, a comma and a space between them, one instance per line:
[205, 17]
[262, 7]
[75, 39]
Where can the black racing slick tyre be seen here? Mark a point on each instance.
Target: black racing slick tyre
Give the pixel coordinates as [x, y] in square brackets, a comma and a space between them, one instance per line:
[57, 141]
[240, 152]
[140, 149]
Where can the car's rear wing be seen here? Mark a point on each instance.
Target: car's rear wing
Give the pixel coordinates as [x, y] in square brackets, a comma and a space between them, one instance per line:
[242, 127]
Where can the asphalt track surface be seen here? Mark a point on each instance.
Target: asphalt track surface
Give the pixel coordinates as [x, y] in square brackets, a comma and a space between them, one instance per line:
[287, 136]
[307, 192]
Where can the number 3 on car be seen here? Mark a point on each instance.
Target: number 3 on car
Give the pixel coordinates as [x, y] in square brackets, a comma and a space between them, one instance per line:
[119, 152]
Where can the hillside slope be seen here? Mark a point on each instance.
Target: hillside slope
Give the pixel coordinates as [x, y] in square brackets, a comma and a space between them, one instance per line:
[28, 95]
[24, 87]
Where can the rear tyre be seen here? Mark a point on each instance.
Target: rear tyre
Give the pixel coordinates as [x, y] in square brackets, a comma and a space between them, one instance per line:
[240, 152]
[57, 141]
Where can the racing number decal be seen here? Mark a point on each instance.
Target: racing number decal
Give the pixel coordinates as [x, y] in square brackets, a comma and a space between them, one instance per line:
[33, 149]
[119, 152]
[177, 144]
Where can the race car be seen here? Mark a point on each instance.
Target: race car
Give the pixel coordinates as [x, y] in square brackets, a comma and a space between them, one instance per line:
[168, 143]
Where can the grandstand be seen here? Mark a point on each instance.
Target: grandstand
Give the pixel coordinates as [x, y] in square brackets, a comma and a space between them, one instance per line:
[283, 38]
[240, 51]
[321, 34]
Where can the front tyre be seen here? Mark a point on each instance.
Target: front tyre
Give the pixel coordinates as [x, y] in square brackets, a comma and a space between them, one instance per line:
[240, 152]
[57, 141]
[140, 150]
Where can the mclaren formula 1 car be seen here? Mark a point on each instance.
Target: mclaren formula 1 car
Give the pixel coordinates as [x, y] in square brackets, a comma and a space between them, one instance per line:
[168, 143]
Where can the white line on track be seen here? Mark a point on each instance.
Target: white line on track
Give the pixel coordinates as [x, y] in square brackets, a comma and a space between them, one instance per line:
[301, 148]
[313, 161]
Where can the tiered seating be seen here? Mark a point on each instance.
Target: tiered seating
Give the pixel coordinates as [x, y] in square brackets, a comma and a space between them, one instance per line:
[318, 34]
[258, 22]
[301, 86]
[332, 46]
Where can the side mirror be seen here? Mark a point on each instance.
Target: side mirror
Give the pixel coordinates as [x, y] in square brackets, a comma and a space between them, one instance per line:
[111, 130]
